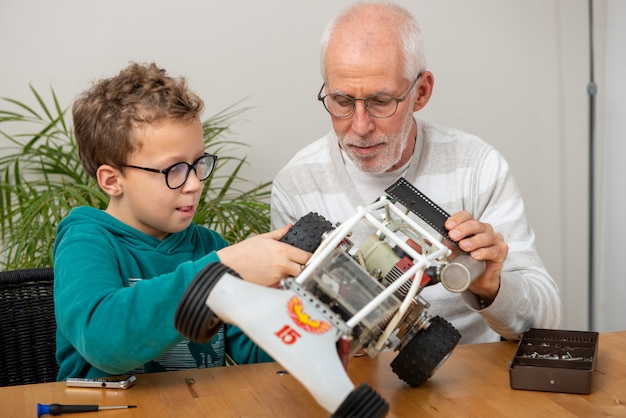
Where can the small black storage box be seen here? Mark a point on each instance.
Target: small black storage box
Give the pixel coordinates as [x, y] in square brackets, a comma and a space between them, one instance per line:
[554, 361]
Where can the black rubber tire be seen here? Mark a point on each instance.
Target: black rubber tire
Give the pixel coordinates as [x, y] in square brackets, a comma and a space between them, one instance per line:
[193, 318]
[426, 351]
[363, 402]
[308, 232]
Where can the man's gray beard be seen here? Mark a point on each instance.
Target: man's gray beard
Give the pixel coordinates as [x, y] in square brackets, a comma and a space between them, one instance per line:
[394, 158]
[383, 161]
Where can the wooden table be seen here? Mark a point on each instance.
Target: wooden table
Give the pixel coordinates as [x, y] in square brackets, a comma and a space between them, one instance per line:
[473, 382]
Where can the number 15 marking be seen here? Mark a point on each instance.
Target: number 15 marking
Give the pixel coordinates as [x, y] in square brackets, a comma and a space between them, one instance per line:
[287, 334]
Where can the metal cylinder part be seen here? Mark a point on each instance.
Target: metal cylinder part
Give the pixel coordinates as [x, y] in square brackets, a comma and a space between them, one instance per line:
[459, 274]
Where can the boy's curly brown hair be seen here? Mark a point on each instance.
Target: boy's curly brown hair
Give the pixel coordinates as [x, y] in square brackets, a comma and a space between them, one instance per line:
[106, 115]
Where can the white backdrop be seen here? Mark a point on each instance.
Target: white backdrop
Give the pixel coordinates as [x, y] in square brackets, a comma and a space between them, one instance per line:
[513, 72]
[611, 286]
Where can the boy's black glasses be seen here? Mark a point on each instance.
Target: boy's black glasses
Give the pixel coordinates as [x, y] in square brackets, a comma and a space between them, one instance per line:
[176, 175]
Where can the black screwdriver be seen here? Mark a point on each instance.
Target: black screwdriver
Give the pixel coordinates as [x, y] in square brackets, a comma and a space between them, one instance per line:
[58, 409]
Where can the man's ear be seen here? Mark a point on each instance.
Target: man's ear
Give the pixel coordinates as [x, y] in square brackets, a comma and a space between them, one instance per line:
[109, 180]
[424, 90]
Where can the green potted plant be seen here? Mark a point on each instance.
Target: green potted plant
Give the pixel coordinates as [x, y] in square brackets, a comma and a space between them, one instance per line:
[41, 180]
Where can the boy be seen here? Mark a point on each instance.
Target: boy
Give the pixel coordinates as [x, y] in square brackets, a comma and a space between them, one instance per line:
[120, 273]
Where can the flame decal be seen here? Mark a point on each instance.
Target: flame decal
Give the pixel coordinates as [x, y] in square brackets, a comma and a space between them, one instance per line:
[303, 320]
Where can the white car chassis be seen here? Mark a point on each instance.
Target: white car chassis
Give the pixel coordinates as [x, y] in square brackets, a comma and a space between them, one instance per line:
[348, 299]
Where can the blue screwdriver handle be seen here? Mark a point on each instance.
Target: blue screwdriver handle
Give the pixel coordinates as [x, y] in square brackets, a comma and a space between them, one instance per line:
[57, 409]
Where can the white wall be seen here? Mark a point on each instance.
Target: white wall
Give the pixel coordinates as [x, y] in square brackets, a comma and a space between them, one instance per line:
[513, 72]
[611, 286]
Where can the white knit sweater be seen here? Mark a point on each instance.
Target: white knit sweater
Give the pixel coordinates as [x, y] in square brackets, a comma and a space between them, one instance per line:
[457, 171]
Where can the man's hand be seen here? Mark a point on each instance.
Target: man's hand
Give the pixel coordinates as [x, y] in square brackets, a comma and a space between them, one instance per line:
[481, 242]
[263, 259]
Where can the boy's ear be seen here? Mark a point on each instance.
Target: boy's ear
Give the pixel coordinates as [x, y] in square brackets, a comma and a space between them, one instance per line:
[109, 180]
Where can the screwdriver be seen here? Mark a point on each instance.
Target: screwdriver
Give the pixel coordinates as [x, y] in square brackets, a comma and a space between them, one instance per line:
[58, 409]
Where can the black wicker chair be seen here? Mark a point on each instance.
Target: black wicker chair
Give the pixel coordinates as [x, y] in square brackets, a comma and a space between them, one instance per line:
[27, 327]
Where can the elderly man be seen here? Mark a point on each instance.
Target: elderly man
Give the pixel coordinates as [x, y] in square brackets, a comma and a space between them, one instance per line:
[375, 79]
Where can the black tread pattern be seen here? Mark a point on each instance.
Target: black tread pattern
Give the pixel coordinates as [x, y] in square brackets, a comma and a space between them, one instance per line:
[418, 203]
[419, 359]
[193, 318]
[308, 232]
[363, 402]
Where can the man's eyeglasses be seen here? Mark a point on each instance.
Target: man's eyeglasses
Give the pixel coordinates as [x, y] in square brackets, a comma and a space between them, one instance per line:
[176, 175]
[380, 105]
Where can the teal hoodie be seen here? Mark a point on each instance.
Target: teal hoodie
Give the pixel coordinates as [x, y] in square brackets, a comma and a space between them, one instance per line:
[116, 291]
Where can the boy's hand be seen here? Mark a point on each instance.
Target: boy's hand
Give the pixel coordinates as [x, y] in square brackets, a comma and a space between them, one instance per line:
[263, 259]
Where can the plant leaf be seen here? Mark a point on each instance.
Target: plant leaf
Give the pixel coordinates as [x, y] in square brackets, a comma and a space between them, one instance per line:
[42, 180]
